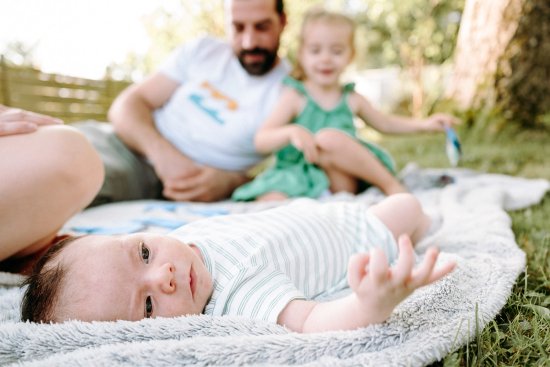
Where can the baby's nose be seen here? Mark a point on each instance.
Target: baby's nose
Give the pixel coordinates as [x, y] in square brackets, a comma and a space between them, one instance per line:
[164, 277]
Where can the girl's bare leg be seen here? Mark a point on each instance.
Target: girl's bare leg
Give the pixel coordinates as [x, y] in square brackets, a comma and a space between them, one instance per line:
[341, 181]
[272, 196]
[402, 214]
[46, 177]
[340, 151]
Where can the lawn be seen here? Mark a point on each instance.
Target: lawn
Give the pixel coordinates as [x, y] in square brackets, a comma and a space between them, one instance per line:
[520, 334]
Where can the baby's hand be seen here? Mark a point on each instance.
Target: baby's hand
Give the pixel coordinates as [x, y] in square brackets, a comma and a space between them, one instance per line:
[379, 288]
[304, 141]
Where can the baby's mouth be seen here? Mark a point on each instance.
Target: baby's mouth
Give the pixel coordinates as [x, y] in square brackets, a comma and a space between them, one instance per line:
[192, 282]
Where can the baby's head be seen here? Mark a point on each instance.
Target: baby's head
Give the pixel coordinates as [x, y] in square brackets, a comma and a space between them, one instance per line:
[326, 44]
[107, 278]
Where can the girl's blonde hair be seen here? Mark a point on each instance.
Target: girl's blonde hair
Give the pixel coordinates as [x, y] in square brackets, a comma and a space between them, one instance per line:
[319, 14]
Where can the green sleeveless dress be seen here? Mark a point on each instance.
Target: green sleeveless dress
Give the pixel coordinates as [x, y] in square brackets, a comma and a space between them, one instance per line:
[292, 174]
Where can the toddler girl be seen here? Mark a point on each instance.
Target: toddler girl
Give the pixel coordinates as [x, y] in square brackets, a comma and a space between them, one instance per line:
[312, 128]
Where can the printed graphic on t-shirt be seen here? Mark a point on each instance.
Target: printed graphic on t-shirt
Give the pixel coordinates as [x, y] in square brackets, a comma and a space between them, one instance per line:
[213, 102]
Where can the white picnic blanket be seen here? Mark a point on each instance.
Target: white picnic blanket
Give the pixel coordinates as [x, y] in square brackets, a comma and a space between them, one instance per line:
[433, 322]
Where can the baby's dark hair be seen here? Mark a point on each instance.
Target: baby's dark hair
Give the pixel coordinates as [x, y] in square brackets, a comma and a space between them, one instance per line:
[43, 285]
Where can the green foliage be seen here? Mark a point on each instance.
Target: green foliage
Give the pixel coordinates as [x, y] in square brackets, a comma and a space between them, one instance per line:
[172, 24]
[408, 32]
[295, 11]
[390, 32]
[181, 21]
[19, 53]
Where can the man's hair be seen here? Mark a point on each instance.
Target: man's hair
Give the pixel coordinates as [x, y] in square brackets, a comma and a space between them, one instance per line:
[44, 284]
[279, 6]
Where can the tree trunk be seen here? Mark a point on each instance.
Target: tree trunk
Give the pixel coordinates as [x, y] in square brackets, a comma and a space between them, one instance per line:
[502, 58]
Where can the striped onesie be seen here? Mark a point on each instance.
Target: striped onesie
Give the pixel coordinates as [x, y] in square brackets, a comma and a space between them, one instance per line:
[261, 261]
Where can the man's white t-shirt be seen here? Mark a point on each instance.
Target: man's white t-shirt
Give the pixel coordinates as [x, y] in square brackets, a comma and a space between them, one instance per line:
[213, 115]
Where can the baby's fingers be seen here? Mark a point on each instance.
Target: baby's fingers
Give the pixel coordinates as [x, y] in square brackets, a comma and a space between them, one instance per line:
[357, 269]
[405, 262]
[441, 271]
[378, 268]
[425, 274]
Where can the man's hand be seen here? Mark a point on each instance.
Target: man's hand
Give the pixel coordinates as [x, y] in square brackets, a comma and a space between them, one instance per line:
[304, 141]
[184, 180]
[171, 166]
[17, 121]
[209, 184]
[379, 288]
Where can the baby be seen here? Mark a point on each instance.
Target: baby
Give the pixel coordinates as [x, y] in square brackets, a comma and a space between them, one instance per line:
[267, 265]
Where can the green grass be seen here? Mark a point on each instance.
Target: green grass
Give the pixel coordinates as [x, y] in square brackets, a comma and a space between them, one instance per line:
[520, 334]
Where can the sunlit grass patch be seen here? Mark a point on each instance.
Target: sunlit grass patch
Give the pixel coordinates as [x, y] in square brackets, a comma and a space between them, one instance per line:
[520, 334]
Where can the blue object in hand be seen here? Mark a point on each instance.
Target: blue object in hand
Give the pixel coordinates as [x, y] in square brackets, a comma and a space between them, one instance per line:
[454, 151]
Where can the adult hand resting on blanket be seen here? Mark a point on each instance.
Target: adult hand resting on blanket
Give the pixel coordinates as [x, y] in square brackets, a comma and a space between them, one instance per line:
[264, 265]
[17, 121]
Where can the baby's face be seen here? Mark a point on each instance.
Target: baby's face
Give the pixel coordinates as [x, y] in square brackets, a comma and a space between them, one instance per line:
[132, 277]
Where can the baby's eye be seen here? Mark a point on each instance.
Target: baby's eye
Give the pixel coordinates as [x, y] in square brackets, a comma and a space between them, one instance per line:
[144, 252]
[148, 311]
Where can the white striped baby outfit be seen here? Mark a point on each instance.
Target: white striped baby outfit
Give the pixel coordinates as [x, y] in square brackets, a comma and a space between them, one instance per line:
[261, 261]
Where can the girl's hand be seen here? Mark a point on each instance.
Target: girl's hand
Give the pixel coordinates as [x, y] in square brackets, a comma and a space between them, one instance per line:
[304, 141]
[438, 122]
[379, 288]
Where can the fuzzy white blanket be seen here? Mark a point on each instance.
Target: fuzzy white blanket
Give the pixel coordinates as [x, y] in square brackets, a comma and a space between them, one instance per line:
[433, 322]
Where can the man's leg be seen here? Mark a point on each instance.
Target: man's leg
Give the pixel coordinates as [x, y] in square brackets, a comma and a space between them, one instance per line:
[128, 176]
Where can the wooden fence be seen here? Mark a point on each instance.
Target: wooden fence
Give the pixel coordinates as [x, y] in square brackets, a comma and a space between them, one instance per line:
[69, 98]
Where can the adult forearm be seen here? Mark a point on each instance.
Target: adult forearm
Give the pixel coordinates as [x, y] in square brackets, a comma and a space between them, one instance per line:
[133, 122]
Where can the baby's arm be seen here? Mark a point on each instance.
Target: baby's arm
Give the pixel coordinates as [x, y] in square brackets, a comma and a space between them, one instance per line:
[388, 123]
[277, 131]
[377, 288]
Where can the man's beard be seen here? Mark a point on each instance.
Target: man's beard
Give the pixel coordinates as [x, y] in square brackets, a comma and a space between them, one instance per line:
[258, 68]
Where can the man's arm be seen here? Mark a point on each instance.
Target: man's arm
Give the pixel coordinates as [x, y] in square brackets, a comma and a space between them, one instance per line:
[132, 117]
[377, 290]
